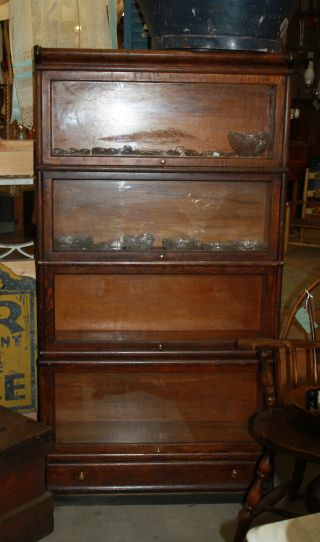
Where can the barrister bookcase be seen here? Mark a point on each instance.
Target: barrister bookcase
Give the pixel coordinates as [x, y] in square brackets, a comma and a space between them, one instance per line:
[160, 184]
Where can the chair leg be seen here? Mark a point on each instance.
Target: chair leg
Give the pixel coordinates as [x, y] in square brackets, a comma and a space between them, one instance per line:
[286, 228]
[313, 496]
[254, 496]
[293, 486]
[301, 236]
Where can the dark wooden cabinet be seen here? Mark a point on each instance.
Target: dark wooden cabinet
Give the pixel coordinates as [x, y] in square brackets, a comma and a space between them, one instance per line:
[160, 188]
[26, 508]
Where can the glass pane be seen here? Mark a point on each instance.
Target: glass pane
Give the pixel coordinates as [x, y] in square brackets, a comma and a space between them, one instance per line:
[195, 305]
[162, 119]
[153, 407]
[166, 215]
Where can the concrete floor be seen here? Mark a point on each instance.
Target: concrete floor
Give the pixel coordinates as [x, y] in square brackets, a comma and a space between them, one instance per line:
[144, 523]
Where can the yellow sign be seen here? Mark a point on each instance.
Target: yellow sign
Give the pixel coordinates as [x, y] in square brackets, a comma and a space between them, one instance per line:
[17, 341]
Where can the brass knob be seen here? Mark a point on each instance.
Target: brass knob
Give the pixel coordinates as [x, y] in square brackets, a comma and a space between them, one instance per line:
[162, 161]
[81, 475]
[234, 473]
[160, 346]
[161, 256]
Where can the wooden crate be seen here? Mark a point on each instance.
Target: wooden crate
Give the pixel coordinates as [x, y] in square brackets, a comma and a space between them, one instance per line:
[16, 158]
[26, 511]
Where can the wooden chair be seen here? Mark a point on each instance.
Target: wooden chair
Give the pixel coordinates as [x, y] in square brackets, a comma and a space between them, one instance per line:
[287, 368]
[307, 221]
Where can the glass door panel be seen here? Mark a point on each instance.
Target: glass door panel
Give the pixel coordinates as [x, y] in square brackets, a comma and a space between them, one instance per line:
[155, 306]
[154, 407]
[168, 216]
[100, 119]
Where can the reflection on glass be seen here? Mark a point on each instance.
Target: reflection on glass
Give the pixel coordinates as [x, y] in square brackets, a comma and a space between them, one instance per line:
[170, 216]
[151, 407]
[178, 119]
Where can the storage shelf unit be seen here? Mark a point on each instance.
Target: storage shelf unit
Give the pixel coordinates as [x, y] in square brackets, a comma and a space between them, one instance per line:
[159, 246]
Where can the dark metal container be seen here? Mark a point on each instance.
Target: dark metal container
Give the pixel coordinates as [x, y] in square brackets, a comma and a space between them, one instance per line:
[255, 25]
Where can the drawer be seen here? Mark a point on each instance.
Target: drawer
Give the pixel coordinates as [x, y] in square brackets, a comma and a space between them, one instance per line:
[157, 477]
[152, 217]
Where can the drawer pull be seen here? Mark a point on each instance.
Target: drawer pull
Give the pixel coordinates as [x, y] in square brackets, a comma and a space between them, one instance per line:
[81, 475]
[234, 473]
